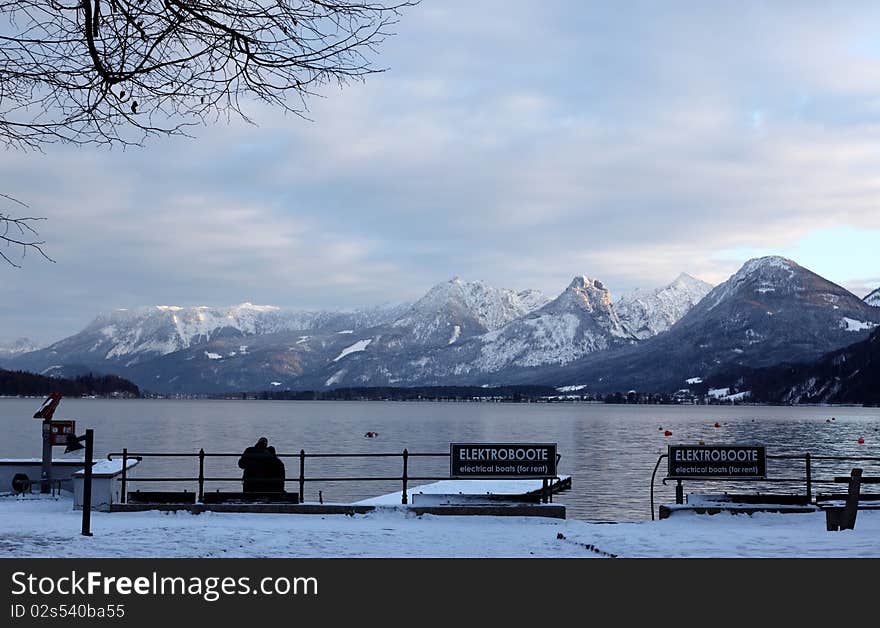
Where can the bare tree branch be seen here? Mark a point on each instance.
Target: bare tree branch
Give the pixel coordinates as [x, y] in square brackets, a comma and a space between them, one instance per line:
[18, 235]
[114, 72]
[117, 71]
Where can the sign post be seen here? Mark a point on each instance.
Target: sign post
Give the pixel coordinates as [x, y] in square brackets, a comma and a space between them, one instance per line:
[502, 460]
[73, 443]
[717, 462]
[46, 411]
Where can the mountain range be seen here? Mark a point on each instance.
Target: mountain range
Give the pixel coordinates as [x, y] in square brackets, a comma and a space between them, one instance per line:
[469, 333]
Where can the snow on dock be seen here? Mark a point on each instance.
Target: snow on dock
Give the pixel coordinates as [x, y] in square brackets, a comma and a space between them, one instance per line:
[471, 488]
[34, 526]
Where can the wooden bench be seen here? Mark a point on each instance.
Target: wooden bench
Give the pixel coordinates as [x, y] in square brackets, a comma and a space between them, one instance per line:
[842, 516]
[161, 497]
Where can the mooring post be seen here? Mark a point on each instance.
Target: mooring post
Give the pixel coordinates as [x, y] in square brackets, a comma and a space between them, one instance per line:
[124, 470]
[679, 492]
[809, 479]
[201, 474]
[405, 464]
[302, 475]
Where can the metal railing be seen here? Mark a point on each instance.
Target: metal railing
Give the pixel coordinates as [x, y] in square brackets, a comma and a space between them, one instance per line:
[807, 478]
[301, 479]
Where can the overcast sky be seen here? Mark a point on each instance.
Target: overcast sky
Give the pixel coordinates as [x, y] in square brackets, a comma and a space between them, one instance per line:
[520, 143]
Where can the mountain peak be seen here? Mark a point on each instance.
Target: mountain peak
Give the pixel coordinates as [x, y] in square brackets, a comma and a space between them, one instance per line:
[687, 279]
[648, 312]
[582, 282]
[768, 262]
[873, 298]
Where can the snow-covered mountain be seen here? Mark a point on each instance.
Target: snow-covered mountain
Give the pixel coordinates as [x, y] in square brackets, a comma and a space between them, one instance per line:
[18, 346]
[579, 321]
[873, 299]
[129, 337]
[770, 311]
[646, 313]
[455, 310]
[460, 332]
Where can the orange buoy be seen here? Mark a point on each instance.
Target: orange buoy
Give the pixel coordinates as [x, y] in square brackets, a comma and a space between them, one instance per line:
[717, 424]
[667, 433]
[861, 440]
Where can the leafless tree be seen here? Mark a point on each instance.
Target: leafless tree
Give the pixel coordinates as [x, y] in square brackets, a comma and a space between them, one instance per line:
[114, 72]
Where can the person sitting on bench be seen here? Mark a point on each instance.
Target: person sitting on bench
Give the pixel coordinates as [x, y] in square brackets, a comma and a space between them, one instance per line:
[263, 470]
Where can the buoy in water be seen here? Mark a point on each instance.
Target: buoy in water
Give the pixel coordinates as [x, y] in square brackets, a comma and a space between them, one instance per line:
[667, 433]
[861, 440]
[717, 424]
[371, 434]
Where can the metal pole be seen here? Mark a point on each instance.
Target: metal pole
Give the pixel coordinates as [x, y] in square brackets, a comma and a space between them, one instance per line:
[124, 470]
[87, 484]
[544, 491]
[201, 474]
[679, 492]
[403, 499]
[46, 472]
[302, 475]
[809, 479]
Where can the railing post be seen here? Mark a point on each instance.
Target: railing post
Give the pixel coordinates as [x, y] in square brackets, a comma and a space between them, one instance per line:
[87, 484]
[302, 475]
[124, 473]
[403, 498]
[809, 479]
[544, 490]
[201, 474]
[679, 492]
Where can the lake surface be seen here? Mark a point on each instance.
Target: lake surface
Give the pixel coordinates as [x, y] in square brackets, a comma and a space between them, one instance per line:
[610, 451]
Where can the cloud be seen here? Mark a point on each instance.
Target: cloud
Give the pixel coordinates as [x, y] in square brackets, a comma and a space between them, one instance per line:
[514, 142]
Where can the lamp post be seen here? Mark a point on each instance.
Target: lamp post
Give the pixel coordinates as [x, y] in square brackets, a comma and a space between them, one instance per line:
[73, 444]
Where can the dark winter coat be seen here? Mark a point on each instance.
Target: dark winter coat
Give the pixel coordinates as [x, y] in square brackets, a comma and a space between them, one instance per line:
[263, 470]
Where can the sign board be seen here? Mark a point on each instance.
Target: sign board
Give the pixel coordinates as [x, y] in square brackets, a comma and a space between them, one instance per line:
[722, 462]
[502, 460]
[58, 431]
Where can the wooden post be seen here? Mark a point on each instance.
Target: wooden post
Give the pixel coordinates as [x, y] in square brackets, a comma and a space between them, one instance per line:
[848, 519]
[809, 479]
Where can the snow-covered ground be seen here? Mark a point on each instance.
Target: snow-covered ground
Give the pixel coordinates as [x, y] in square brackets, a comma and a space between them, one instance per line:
[38, 527]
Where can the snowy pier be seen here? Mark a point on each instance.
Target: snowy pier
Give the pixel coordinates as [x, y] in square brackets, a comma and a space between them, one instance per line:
[461, 492]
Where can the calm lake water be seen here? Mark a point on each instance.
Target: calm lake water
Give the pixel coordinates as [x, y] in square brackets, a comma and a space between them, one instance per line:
[610, 451]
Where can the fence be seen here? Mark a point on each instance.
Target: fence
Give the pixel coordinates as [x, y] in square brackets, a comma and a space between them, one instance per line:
[301, 479]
